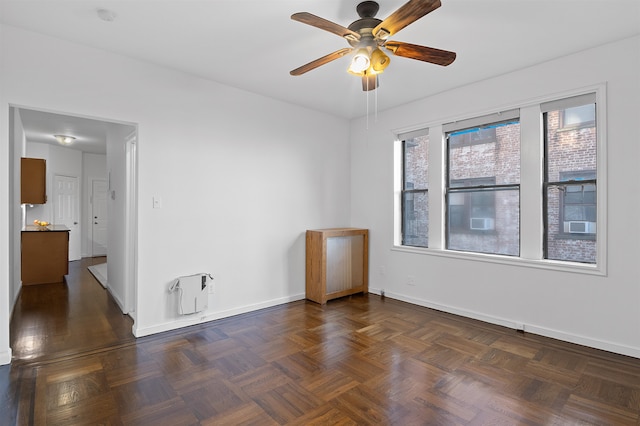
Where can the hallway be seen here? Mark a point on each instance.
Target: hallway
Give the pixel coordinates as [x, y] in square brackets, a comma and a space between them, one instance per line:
[56, 320]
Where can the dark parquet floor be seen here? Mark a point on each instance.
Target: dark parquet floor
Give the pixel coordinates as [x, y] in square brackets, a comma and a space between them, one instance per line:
[355, 361]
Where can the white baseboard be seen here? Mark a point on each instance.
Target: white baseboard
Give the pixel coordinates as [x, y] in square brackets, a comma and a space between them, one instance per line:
[5, 357]
[117, 299]
[518, 325]
[206, 316]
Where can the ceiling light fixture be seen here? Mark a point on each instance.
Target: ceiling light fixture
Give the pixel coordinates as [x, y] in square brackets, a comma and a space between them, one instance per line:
[64, 139]
[379, 61]
[367, 37]
[360, 62]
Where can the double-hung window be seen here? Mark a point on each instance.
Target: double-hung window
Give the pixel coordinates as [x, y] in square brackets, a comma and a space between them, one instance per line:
[483, 184]
[468, 172]
[570, 179]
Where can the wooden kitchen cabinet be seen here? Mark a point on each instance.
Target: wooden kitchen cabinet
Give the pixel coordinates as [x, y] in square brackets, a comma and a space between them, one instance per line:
[45, 254]
[33, 186]
[337, 263]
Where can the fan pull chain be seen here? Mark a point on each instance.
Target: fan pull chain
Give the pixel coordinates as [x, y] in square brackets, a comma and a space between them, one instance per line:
[376, 106]
[367, 100]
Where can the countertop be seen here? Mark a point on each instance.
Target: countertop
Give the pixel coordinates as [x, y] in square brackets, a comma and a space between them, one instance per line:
[55, 228]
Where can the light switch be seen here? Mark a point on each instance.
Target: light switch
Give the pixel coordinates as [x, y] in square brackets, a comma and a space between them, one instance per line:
[157, 202]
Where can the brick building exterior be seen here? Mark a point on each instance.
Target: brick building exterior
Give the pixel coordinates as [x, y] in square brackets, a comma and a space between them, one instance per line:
[487, 220]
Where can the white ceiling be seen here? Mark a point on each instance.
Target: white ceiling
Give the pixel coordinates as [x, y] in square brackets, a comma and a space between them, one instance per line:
[253, 44]
[91, 135]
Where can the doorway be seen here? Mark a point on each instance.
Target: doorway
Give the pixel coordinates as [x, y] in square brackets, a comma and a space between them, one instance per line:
[99, 153]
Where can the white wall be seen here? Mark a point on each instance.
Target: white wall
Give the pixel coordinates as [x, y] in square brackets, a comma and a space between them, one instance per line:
[116, 212]
[600, 311]
[241, 176]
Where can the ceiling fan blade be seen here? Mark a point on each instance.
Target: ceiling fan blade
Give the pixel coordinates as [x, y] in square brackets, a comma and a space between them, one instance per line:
[323, 24]
[369, 82]
[321, 61]
[405, 15]
[421, 53]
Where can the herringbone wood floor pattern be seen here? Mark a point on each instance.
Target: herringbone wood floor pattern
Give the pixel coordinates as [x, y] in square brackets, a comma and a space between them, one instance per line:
[356, 361]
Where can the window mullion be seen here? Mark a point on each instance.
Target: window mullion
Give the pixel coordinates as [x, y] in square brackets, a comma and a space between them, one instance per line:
[437, 170]
[531, 179]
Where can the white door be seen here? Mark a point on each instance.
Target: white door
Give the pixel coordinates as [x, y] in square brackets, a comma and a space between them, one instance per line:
[66, 207]
[99, 219]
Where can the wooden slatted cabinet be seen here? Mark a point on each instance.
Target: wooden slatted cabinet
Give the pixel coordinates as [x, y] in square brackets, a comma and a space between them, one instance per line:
[337, 263]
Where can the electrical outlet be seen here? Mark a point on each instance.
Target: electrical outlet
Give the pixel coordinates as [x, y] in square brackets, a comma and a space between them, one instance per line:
[382, 271]
[211, 289]
[411, 280]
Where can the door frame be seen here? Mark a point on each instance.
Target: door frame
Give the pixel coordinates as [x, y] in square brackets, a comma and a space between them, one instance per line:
[15, 221]
[131, 224]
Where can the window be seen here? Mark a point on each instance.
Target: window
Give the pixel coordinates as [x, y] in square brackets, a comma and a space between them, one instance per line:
[570, 179]
[415, 187]
[483, 191]
[459, 192]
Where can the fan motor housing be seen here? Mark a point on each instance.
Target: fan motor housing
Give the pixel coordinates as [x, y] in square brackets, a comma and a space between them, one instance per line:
[364, 27]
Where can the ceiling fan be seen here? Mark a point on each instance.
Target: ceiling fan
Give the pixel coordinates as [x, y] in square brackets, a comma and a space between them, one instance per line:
[368, 34]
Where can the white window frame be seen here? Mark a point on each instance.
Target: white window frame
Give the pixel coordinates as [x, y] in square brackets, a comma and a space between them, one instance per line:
[531, 183]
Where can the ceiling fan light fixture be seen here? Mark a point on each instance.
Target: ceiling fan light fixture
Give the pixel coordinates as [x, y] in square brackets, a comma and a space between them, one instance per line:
[368, 35]
[379, 61]
[64, 139]
[360, 62]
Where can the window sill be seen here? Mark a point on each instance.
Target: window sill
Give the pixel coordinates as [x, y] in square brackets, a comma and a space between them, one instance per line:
[552, 265]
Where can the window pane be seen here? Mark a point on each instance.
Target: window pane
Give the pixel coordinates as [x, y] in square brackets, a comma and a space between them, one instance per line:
[569, 152]
[415, 208]
[571, 239]
[580, 115]
[415, 220]
[497, 157]
[485, 229]
[416, 163]
[570, 145]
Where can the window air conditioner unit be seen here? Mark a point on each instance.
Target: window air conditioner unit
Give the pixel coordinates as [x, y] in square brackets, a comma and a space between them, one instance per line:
[580, 227]
[481, 223]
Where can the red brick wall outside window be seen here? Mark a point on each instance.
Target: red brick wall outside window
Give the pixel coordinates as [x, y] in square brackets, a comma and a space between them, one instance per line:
[570, 152]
